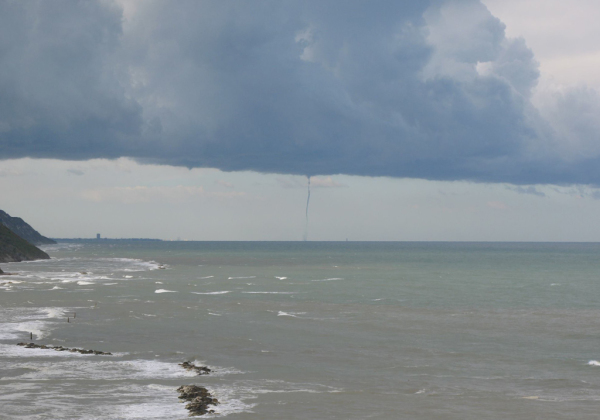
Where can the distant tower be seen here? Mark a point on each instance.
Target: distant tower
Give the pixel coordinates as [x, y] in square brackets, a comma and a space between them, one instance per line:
[97, 236]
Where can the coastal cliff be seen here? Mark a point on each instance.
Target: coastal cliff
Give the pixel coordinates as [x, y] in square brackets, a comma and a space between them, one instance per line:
[23, 229]
[15, 248]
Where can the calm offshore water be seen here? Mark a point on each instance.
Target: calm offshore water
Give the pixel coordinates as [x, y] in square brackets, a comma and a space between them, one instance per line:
[310, 330]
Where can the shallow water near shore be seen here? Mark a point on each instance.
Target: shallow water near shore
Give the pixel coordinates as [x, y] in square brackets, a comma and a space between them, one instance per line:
[305, 330]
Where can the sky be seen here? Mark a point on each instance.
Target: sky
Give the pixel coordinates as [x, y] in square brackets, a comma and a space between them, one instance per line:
[440, 120]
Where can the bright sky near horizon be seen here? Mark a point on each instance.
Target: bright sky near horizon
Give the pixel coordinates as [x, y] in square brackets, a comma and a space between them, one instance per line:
[426, 120]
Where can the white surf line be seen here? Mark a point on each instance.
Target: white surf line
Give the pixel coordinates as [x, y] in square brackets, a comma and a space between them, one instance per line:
[222, 292]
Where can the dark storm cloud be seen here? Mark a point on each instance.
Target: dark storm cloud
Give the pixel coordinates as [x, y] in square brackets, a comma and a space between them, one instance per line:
[424, 89]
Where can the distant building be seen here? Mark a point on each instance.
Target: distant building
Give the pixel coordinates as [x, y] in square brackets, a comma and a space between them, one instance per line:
[97, 236]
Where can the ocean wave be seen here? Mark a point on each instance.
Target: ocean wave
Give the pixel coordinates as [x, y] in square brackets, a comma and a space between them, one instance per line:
[237, 278]
[60, 247]
[234, 398]
[331, 279]
[291, 314]
[19, 322]
[18, 330]
[89, 367]
[594, 363]
[164, 291]
[221, 292]
[270, 293]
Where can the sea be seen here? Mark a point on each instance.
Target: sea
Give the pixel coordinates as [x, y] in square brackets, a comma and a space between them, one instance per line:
[304, 330]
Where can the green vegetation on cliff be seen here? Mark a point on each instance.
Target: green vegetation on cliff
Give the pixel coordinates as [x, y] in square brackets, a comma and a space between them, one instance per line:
[15, 248]
[23, 229]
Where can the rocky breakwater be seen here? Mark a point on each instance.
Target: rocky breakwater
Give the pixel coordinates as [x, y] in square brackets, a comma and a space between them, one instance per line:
[199, 399]
[61, 348]
[200, 370]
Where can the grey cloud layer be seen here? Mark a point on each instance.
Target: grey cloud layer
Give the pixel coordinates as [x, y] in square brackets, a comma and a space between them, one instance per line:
[425, 89]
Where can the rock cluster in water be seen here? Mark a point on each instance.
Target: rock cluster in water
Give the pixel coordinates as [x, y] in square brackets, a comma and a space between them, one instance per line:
[200, 370]
[199, 399]
[61, 348]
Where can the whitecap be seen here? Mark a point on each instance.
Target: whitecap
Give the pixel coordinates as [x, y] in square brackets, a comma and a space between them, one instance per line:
[222, 292]
[594, 363]
[282, 313]
[164, 291]
[54, 312]
[207, 277]
[17, 330]
[93, 367]
[270, 293]
[331, 279]
[85, 283]
[281, 278]
[236, 278]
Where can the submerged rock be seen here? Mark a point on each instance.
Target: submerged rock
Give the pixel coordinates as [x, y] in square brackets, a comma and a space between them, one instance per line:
[199, 399]
[61, 348]
[200, 370]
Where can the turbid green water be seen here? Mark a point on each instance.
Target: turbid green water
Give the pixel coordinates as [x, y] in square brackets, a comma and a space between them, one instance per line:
[298, 330]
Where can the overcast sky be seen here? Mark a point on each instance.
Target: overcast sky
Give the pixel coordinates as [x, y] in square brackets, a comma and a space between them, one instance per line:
[417, 120]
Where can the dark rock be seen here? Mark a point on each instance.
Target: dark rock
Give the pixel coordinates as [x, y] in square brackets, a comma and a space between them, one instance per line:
[199, 399]
[200, 370]
[61, 348]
